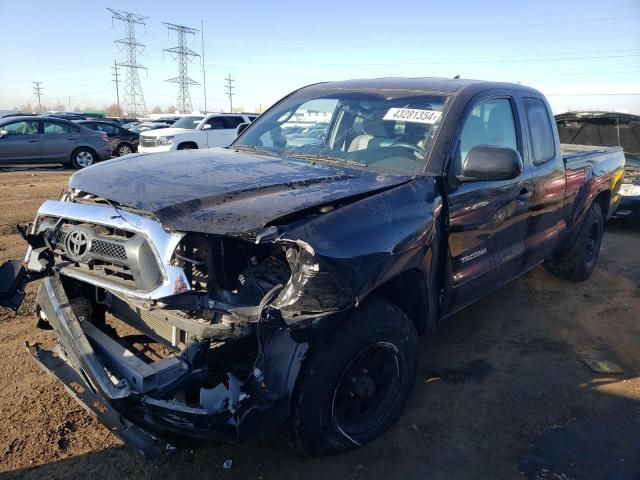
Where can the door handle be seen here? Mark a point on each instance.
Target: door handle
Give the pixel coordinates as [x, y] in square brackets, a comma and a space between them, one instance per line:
[524, 195]
[72, 138]
[33, 141]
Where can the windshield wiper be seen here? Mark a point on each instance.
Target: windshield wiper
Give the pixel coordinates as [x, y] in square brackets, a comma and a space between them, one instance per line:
[255, 149]
[327, 158]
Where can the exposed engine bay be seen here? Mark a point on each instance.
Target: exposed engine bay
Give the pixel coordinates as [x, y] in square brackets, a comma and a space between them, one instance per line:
[220, 346]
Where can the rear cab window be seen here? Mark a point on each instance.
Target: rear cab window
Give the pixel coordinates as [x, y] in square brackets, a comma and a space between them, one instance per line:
[543, 145]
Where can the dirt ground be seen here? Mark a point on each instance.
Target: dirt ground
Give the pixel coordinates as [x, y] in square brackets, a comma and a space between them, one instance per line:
[501, 393]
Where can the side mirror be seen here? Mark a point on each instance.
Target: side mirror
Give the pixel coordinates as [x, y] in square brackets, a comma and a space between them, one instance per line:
[485, 162]
[206, 126]
[3, 133]
[241, 128]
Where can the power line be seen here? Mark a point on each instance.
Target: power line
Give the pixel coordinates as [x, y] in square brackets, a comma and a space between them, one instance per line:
[229, 89]
[115, 75]
[37, 89]
[133, 96]
[183, 55]
[424, 62]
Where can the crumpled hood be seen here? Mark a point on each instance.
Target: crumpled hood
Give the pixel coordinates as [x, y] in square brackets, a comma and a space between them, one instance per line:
[221, 191]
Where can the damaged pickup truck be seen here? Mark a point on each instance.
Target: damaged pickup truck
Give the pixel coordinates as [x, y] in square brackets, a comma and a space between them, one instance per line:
[202, 296]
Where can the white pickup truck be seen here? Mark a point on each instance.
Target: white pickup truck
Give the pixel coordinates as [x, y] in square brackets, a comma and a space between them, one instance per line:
[195, 131]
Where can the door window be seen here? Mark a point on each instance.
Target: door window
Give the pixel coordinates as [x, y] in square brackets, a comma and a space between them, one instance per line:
[225, 123]
[540, 131]
[21, 128]
[56, 128]
[216, 123]
[492, 123]
[106, 128]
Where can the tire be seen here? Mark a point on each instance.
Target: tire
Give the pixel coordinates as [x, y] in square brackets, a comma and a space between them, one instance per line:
[124, 149]
[578, 263]
[355, 386]
[187, 146]
[82, 158]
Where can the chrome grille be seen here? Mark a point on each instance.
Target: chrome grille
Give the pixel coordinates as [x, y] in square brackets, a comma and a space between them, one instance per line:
[108, 249]
[148, 141]
[147, 272]
[55, 237]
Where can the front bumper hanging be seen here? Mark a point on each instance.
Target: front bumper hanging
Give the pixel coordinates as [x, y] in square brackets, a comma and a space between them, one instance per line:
[121, 391]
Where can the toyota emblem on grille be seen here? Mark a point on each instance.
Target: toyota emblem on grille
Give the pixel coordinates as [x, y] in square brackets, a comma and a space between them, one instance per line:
[77, 244]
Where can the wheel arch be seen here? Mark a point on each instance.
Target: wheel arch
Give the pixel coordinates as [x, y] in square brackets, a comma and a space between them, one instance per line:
[603, 200]
[181, 145]
[410, 292]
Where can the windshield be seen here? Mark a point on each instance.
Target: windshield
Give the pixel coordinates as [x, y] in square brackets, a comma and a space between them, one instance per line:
[189, 123]
[390, 131]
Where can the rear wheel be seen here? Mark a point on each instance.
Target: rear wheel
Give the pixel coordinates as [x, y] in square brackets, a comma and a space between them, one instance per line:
[124, 149]
[82, 158]
[578, 263]
[354, 388]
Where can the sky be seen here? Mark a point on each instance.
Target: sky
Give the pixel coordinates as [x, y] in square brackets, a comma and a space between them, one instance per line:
[582, 54]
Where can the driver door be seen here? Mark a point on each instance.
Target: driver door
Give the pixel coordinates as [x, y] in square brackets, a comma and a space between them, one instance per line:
[487, 220]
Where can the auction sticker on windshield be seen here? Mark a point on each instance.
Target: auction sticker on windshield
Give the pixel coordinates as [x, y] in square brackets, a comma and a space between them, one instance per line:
[412, 115]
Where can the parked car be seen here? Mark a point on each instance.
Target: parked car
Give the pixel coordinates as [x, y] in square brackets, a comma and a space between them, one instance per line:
[17, 114]
[291, 282]
[123, 141]
[610, 129]
[214, 130]
[71, 116]
[169, 120]
[145, 126]
[41, 139]
[311, 137]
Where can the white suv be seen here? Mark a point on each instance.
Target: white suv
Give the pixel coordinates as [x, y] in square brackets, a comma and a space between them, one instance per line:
[195, 131]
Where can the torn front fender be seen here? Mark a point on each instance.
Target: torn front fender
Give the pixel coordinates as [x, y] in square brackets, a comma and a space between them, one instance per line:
[363, 244]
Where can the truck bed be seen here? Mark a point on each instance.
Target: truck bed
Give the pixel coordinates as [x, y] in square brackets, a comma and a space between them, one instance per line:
[572, 152]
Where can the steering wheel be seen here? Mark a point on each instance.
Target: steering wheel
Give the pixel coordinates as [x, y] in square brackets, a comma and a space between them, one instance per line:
[408, 145]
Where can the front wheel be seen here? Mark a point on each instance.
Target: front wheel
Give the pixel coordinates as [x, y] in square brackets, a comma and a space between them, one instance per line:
[82, 158]
[187, 146]
[355, 387]
[579, 261]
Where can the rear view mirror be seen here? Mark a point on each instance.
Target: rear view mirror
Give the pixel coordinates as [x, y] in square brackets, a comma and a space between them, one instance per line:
[485, 162]
[3, 133]
[241, 128]
[206, 126]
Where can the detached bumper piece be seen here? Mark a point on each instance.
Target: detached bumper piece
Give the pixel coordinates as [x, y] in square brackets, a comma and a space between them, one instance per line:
[96, 404]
